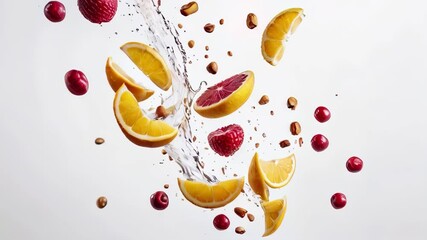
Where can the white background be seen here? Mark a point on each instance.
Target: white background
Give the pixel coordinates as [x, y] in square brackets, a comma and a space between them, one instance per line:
[371, 53]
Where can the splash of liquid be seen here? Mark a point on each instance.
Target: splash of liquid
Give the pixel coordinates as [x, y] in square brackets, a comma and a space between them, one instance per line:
[164, 37]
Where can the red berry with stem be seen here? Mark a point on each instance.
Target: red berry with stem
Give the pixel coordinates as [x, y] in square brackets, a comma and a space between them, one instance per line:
[354, 164]
[319, 142]
[54, 11]
[221, 222]
[159, 200]
[338, 200]
[76, 82]
[322, 114]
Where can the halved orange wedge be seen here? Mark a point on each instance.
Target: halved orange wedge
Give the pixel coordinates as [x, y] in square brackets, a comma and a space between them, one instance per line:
[256, 179]
[277, 173]
[279, 29]
[117, 77]
[211, 195]
[150, 62]
[225, 97]
[274, 212]
[138, 128]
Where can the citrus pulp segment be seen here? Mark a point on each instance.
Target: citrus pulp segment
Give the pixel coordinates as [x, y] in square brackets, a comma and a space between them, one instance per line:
[225, 97]
[256, 179]
[278, 30]
[277, 173]
[138, 128]
[117, 77]
[211, 195]
[149, 61]
[274, 212]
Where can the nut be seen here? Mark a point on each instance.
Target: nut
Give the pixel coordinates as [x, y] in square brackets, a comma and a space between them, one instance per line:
[257, 145]
[162, 112]
[221, 21]
[240, 230]
[251, 217]
[212, 68]
[292, 103]
[300, 141]
[189, 8]
[295, 128]
[164, 152]
[101, 202]
[209, 27]
[272, 113]
[251, 21]
[241, 212]
[285, 143]
[99, 141]
[206, 56]
[207, 48]
[229, 53]
[264, 100]
[180, 25]
[191, 44]
[166, 186]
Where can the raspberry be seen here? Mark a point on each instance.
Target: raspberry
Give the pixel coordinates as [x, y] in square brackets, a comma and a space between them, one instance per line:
[98, 11]
[226, 140]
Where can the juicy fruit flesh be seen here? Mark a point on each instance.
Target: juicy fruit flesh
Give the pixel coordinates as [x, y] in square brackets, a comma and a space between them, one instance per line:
[256, 179]
[211, 195]
[226, 140]
[277, 173]
[149, 61]
[221, 90]
[274, 212]
[137, 127]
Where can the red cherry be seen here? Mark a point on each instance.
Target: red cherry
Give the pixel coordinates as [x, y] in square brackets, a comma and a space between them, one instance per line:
[354, 164]
[54, 11]
[338, 200]
[159, 200]
[322, 114]
[319, 142]
[76, 82]
[221, 222]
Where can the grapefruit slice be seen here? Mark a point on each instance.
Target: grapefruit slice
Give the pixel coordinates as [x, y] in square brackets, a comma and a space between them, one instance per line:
[225, 97]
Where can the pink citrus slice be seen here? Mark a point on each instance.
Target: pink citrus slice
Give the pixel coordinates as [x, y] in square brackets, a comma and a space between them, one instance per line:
[225, 97]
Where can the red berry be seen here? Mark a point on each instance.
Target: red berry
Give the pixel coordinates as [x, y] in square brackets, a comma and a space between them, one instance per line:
[322, 114]
[98, 11]
[159, 200]
[221, 222]
[319, 142]
[338, 200]
[76, 82]
[54, 11]
[226, 140]
[354, 164]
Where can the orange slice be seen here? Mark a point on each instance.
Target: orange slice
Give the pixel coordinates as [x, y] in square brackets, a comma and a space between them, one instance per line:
[277, 173]
[149, 61]
[117, 77]
[138, 128]
[211, 195]
[256, 179]
[225, 97]
[279, 29]
[274, 212]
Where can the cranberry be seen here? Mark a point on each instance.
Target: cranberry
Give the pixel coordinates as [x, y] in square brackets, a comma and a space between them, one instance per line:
[319, 142]
[354, 164]
[54, 11]
[338, 200]
[322, 114]
[221, 222]
[76, 82]
[159, 200]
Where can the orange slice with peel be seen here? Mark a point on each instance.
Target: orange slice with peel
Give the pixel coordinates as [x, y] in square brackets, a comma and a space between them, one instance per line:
[150, 62]
[277, 173]
[138, 128]
[117, 77]
[256, 179]
[211, 195]
[225, 97]
[274, 213]
[278, 30]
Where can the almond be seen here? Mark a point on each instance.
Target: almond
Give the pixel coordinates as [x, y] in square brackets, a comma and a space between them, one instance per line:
[189, 8]
[241, 212]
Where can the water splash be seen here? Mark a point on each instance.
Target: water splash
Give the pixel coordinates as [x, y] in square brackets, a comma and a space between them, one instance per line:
[164, 37]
